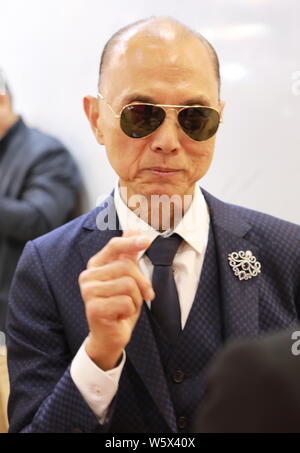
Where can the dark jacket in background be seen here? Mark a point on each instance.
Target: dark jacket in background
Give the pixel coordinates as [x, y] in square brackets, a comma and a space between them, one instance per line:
[39, 186]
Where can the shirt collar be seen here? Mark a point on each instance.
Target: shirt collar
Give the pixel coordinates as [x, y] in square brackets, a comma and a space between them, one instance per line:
[193, 227]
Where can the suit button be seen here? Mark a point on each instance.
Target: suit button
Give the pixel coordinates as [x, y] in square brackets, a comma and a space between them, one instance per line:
[178, 376]
[182, 422]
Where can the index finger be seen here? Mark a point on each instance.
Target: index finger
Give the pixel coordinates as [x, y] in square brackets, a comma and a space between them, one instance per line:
[118, 246]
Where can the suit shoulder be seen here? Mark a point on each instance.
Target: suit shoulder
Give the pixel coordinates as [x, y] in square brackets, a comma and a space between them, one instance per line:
[261, 227]
[68, 234]
[41, 143]
[279, 238]
[264, 222]
[229, 213]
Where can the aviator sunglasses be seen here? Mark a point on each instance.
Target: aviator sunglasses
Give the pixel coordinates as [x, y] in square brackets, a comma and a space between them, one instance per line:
[139, 120]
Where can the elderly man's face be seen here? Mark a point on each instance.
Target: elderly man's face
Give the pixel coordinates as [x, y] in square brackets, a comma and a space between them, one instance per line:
[177, 72]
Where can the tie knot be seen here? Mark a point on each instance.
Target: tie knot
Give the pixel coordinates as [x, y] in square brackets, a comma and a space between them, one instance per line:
[162, 250]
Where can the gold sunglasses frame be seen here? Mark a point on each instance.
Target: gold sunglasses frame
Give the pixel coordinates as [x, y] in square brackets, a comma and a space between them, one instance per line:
[173, 107]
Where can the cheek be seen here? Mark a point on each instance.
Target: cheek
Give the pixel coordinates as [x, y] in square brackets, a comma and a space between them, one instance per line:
[124, 154]
[201, 158]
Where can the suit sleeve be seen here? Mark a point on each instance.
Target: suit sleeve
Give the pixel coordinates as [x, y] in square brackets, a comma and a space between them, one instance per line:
[43, 395]
[48, 196]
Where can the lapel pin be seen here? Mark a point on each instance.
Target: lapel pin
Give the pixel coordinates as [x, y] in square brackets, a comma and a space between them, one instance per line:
[244, 264]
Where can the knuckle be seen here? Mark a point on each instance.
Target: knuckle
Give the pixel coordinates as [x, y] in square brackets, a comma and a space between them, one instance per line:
[113, 241]
[80, 279]
[93, 310]
[126, 264]
[127, 300]
[130, 284]
[128, 306]
[83, 277]
[86, 276]
[86, 291]
[91, 262]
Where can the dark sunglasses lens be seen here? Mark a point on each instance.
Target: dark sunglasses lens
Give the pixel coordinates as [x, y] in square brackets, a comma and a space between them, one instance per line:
[199, 123]
[140, 120]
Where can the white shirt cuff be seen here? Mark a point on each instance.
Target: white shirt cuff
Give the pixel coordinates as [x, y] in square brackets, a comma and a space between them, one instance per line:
[96, 386]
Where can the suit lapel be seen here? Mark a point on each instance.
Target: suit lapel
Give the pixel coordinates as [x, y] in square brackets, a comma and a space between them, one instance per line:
[142, 349]
[95, 235]
[240, 300]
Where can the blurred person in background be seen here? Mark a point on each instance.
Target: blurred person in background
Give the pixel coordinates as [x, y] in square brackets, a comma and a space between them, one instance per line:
[253, 387]
[39, 188]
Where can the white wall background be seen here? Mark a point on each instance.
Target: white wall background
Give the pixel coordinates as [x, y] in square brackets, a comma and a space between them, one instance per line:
[50, 52]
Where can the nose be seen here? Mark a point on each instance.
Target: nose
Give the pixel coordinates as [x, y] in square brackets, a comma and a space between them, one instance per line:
[166, 138]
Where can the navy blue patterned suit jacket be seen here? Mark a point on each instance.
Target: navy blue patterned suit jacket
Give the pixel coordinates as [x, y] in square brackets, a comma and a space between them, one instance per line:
[47, 323]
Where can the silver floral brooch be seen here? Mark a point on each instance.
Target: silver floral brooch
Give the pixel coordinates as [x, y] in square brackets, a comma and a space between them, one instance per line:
[244, 264]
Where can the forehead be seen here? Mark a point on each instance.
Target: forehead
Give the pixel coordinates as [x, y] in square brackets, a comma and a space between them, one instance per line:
[167, 70]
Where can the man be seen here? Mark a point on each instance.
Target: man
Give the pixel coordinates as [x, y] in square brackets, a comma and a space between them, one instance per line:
[39, 186]
[100, 358]
[253, 387]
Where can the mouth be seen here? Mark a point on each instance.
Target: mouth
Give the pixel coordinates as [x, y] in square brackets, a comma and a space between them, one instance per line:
[163, 171]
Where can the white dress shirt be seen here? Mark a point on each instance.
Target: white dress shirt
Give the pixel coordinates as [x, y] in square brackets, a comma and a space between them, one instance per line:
[99, 387]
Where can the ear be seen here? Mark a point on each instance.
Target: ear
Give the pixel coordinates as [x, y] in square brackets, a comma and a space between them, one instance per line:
[4, 100]
[5, 108]
[91, 108]
[221, 107]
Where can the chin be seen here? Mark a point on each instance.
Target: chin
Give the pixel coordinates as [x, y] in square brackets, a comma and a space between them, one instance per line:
[162, 189]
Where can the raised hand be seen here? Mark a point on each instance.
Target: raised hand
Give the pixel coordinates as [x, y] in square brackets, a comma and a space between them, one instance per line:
[113, 289]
